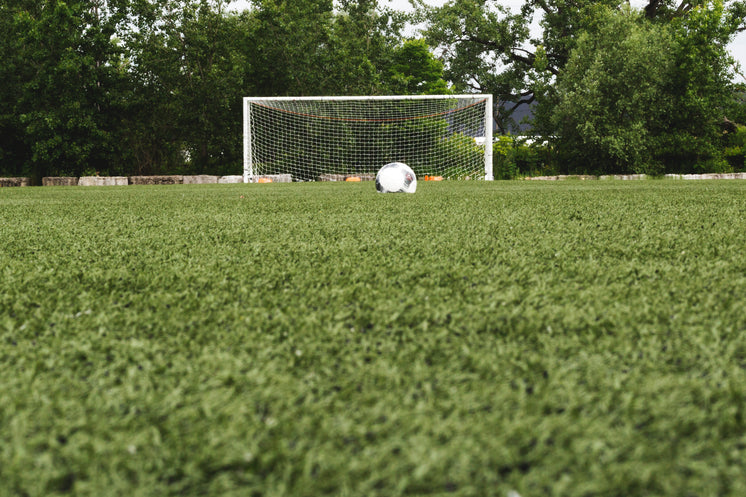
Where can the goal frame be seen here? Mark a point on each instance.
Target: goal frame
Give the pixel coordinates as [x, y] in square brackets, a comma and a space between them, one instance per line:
[248, 167]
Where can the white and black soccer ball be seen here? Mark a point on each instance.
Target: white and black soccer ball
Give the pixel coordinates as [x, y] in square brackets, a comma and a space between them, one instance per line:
[396, 177]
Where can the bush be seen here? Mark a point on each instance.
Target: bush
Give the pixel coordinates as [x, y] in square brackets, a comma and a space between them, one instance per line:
[642, 97]
[513, 157]
[460, 157]
[503, 162]
[735, 149]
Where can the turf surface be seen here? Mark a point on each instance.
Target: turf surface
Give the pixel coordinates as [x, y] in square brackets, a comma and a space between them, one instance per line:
[473, 339]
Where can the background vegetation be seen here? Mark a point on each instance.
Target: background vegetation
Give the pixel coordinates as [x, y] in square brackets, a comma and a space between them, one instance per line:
[554, 339]
[143, 87]
[146, 86]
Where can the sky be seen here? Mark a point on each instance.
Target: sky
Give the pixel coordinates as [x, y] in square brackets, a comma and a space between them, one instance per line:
[737, 47]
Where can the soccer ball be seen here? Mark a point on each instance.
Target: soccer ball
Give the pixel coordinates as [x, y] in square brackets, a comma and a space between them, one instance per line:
[396, 177]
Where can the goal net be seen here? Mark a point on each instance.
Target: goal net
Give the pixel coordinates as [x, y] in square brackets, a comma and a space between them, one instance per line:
[351, 138]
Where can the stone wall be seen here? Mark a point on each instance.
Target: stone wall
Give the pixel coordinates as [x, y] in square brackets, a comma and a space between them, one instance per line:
[332, 177]
[202, 179]
[15, 182]
[59, 181]
[231, 179]
[708, 176]
[275, 178]
[344, 177]
[643, 176]
[156, 180]
[102, 181]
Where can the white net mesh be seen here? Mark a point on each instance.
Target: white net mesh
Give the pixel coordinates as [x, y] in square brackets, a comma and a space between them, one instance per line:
[350, 138]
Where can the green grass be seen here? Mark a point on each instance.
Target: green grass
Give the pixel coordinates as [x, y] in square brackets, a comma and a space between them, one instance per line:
[473, 339]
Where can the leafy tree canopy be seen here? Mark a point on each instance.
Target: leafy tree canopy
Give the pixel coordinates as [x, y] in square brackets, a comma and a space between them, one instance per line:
[59, 63]
[642, 96]
[155, 86]
[488, 48]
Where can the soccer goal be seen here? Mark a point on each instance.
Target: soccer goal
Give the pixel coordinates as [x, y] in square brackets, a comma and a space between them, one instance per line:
[350, 138]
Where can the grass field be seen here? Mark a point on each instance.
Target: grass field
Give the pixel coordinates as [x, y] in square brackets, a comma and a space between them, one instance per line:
[473, 339]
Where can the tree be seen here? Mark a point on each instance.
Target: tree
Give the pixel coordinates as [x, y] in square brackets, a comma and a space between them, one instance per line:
[155, 86]
[700, 89]
[645, 97]
[287, 42]
[611, 96]
[487, 48]
[359, 49]
[60, 95]
[309, 48]
[213, 76]
[414, 70]
[188, 62]
[323, 50]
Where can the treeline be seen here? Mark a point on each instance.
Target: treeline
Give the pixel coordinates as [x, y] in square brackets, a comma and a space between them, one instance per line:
[613, 89]
[138, 87]
[135, 87]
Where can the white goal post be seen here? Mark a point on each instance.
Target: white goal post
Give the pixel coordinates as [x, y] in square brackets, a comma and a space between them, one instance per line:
[350, 138]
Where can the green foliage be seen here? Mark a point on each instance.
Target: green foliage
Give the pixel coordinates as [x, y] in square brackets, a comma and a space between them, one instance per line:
[735, 149]
[644, 97]
[297, 65]
[59, 102]
[415, 71]
[364, 40]
[503, 163]
[472, 339]
[186, 112]
[475, 38]
[513, 157]
[533, 159]
[698, 87]
[610, 96]
[153, 87]
[487, 48]
[457, 145]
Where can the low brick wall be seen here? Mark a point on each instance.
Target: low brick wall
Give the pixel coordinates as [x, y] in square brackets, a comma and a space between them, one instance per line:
[332, 177]
[231, 179]
[275, 178]
[708, 176]
[343, 177]
[624, 177]
[156, 180]
[59, 181]
[15, 182]
[103, 181]
[200, 179]
[584, 177]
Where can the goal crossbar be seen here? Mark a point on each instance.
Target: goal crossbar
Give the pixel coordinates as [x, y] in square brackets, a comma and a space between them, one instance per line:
[331, 138]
